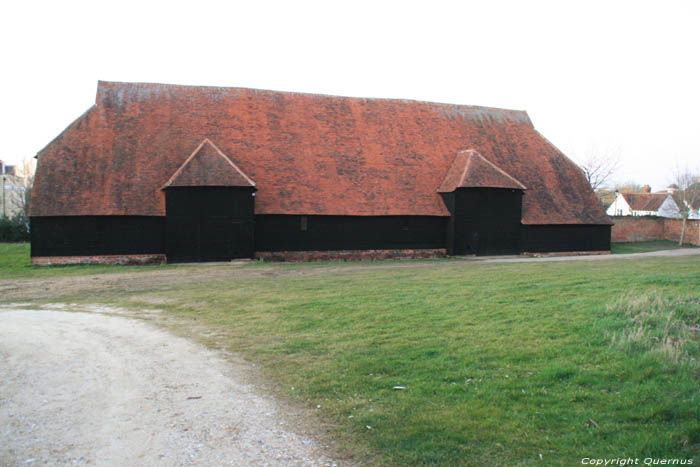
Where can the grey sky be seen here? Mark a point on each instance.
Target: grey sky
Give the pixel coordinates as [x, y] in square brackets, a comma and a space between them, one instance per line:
[616, 75]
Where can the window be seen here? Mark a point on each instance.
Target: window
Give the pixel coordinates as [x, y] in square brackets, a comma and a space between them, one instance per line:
[304, 223]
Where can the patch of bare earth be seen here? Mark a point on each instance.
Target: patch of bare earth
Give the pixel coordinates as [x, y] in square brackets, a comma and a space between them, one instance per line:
[130, 282]
[87, 388]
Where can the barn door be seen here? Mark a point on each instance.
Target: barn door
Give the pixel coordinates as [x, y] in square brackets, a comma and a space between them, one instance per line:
[209, 224]
[182, 239]
[222, 239]
[487, 221]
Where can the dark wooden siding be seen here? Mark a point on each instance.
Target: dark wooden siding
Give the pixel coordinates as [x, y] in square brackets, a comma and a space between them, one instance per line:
[285, 233]
[553, 238]
[108, 235]
[97, 235]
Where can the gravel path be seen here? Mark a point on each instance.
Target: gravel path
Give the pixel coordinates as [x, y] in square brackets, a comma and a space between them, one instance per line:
[628, 256]
[93, 389]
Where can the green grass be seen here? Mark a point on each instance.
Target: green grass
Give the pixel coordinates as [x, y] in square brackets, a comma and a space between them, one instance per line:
[14, 264]
[501, 363]
[643, 247]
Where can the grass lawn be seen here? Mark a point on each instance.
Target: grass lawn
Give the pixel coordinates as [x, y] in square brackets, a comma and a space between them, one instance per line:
[508, 364]
[501, 363]
[643, 247]
[14, 264]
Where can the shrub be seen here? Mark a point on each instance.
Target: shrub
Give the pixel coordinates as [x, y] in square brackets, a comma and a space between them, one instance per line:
[15, 229]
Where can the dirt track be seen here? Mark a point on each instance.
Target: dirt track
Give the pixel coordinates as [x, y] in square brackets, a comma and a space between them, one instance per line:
[19, 289]
[91, 389]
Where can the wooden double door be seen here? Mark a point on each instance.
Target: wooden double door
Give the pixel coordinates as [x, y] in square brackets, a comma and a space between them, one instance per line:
[209, 224]
[208, 238]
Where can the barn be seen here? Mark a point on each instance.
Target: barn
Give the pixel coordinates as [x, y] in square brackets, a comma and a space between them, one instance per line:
[155, 172]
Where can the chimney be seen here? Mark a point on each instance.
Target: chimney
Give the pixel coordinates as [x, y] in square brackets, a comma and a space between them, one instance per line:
[646, 189]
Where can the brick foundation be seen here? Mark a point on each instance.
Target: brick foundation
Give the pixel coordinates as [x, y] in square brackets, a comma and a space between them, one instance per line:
[644, 229]
[130, 260]
[566, 253]
[347, 255]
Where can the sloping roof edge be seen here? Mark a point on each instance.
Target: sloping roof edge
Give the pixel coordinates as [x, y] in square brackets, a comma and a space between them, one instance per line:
[467, 158]
[204, 142]
[71, 125]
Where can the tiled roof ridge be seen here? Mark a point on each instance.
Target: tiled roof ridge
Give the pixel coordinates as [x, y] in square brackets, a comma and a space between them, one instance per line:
[512, 114]
[649, 195]
[195, 152]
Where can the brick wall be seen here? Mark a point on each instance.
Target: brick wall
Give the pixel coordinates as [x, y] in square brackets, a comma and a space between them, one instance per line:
[644, 229]
[131, 260]
[637, 229]
[672, 231]
[348, 255]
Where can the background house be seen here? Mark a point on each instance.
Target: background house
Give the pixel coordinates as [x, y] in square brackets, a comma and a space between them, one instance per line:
[645, 203]
[12, 191]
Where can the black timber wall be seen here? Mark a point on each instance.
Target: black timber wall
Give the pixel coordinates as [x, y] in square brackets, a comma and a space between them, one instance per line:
[97, 235]
[305, 233]
[209, 223]
[109, 235]
[484, 221]
[554, 238]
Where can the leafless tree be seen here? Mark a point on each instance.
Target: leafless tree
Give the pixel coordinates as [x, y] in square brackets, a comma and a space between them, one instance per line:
[599, 166]
[686, 195]
[629, 187]
[27, 173]
[607, 195]
[17, 191]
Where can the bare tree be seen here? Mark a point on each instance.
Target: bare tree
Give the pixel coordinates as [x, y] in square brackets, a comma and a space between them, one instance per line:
[607, 195]
[686, 195]
[599, 167]
[17, 190]
[27, 173]
[629, 187]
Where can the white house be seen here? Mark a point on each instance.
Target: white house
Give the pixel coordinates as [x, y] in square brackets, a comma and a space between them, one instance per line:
[644, 204]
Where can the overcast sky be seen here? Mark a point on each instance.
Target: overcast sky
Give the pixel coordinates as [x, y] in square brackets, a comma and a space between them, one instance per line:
[623, 77]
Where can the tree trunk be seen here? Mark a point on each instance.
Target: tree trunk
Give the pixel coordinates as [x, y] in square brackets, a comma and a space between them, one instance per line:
[680, 242]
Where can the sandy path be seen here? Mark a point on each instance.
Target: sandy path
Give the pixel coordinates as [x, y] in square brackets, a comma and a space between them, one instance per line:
[91, 389]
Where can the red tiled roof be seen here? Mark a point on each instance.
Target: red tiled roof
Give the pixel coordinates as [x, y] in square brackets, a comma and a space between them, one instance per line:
[471, 170]
[208, 166]
[308, 154]
[645, 201]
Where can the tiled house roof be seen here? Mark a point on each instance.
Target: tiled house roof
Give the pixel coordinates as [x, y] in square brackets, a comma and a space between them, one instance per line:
[645, 201]
[308, 154]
